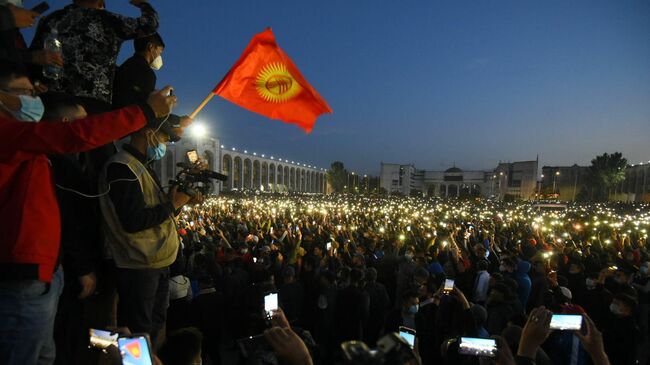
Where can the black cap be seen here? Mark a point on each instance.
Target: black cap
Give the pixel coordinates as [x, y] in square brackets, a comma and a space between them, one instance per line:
[166, 125]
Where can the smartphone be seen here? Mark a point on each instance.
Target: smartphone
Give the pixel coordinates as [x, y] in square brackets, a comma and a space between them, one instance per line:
[102, 339]
[408, 228]
[255, 346]
[41, 7]
[565, 322]
[135, 349]
[192, 156]
[478, 346]
[271, 230]
[449, 286]
[328, 245]
[408, 334]
[255, 259]
[270, 304]
[297, 229]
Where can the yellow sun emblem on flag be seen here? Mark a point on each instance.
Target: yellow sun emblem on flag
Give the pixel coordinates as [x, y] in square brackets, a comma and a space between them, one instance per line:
[275, 84]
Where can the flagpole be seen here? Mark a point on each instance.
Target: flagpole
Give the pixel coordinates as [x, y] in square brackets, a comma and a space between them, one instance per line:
[202, 105]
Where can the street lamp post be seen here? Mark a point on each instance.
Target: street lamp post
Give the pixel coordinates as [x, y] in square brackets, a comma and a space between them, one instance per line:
[557, 173]
[366, 178]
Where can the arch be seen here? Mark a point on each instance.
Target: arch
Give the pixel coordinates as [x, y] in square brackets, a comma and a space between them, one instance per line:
[265, 176]
[272, 175]
[257, 175]
[226, 169]
[248, 174]
[169, 165]
[279, 179]
[452, 191]
[237, 170]
[443, 191]
[209, 158]
[287, 178]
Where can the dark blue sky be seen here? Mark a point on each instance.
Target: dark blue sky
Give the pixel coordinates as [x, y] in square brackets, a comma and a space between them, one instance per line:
[427, 82]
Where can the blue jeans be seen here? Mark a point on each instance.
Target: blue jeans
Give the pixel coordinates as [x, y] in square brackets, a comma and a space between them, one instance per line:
[27, 311]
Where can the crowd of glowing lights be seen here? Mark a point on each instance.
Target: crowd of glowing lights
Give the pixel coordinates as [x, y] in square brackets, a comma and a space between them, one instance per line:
[408, 219]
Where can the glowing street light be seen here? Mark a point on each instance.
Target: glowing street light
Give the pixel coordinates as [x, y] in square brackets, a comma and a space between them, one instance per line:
[198, 130]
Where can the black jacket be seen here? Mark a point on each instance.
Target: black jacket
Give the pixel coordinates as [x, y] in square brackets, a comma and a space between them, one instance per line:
[80, 239]
[128, 199]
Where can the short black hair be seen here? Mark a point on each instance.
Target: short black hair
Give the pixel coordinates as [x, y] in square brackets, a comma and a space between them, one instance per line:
[56, 103]
[11, 70]
[182, 346]
[140, 44]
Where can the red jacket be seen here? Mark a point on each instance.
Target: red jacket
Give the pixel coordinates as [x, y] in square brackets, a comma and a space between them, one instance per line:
[30, 225]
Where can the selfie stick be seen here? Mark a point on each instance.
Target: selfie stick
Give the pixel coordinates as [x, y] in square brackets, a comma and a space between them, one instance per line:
[202, 105]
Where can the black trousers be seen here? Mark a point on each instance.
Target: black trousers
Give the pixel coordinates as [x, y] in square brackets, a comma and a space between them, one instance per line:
[143, 300]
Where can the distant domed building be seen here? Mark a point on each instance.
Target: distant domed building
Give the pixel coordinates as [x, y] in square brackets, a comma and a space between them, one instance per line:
[517, 180]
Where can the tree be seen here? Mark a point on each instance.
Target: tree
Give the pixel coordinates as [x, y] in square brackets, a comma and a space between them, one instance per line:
[606, 171]
[337, 176]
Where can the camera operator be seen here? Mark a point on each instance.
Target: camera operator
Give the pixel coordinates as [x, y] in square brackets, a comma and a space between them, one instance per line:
[30, 277]
[139, 227]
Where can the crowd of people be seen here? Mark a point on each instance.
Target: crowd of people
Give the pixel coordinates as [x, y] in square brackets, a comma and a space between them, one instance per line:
[93, 240]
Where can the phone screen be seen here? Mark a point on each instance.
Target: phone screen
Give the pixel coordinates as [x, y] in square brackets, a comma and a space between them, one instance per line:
[566, 322]
[102, 339]
[135, 350]
[270, 303]
[328, 245]
[449, 285]
[478, 346]
[408, 334]
[193, 156]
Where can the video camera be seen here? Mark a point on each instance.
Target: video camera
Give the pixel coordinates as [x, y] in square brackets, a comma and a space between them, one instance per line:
[191, 179]
[391, 349]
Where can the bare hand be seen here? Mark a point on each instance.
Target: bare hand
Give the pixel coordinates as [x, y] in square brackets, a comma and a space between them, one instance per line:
[288, 346]
[47, 58]
[535, 332]
[460, 296]
[23, 18]
[161, 102]
[504, 355]
[40, 87]
[593, 341]
[278, 319]
[178, 198]
[88, 284]
[186, 121]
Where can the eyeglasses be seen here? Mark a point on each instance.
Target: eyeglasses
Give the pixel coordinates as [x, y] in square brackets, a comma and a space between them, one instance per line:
[20, 91]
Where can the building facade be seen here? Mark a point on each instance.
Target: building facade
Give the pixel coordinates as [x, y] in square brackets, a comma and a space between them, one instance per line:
[636, 186]
[245, 171]
[569, 182]
[517, 180]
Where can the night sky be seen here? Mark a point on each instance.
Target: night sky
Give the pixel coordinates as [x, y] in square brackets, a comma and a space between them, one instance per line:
[425, 82]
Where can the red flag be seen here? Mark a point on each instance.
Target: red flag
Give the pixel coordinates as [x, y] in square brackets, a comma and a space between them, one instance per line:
[265, 80]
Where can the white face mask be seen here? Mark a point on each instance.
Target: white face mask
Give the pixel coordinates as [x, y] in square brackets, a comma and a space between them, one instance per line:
[157, 63]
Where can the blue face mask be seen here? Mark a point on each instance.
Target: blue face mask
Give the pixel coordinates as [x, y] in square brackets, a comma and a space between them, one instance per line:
[156, 153]
[413, 309]
[31, 109]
